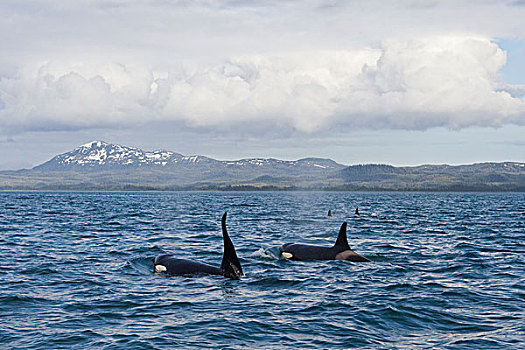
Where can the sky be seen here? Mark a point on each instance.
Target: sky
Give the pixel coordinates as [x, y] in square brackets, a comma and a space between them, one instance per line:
[403, 82]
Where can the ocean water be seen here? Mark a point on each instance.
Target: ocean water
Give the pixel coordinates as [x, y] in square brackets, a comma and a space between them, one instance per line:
[447, 271]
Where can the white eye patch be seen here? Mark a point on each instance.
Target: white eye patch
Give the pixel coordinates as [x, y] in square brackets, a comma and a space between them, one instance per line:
[287, 255]
[160, 268]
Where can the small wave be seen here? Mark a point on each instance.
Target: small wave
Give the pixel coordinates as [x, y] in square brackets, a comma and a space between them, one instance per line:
[276, 282]
[114, 223]
[97, 305]
[21, 300]
[405, 287]
[38, 270]
[267, 253]
[377, 257]
[448, 269]
[245, 205]
[142, 265]
[295, 221]
[391, 222]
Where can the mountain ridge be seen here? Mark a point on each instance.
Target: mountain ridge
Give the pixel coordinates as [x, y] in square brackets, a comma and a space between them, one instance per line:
[103, 154]
[98, 165]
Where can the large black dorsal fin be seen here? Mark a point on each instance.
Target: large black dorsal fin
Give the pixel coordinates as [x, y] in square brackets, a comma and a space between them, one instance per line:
[342, 241]
[230, 266]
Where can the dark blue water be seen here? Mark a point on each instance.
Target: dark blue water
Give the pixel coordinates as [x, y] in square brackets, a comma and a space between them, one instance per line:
[447, 271]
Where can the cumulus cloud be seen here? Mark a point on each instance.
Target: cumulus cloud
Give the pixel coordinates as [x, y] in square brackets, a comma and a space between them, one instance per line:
[415, 84]
[445, 81]
[306, 66]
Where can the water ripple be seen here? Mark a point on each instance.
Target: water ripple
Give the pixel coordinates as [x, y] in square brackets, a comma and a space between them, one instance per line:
[447, 271]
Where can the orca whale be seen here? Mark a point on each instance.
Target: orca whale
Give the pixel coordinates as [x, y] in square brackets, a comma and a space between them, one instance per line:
[230, 266]
[340, 251]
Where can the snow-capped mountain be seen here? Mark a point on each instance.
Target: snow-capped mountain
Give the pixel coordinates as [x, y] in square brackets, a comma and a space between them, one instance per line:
[102, 154]
[99, 165]
[99, 155]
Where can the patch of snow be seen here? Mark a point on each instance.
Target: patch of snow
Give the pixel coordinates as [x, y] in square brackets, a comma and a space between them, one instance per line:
[91, 144]
[192, 159]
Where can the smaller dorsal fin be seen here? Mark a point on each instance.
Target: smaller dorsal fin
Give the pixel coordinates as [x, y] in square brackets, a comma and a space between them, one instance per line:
[230, 266]
[342, 241]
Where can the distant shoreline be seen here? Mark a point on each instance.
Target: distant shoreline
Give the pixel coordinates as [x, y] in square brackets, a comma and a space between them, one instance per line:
[100, 166]
[255, 190]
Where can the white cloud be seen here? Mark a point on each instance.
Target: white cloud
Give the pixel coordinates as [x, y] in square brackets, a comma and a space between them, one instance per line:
[300, 65]
[450, 81]
[442, 81]
[236, 70]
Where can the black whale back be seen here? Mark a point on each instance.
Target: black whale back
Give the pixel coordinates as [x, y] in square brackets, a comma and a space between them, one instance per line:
[339, 251]
[230, 266]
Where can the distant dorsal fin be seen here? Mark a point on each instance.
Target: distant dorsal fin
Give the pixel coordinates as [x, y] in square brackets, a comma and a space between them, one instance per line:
[230, 266]
[342, 241]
